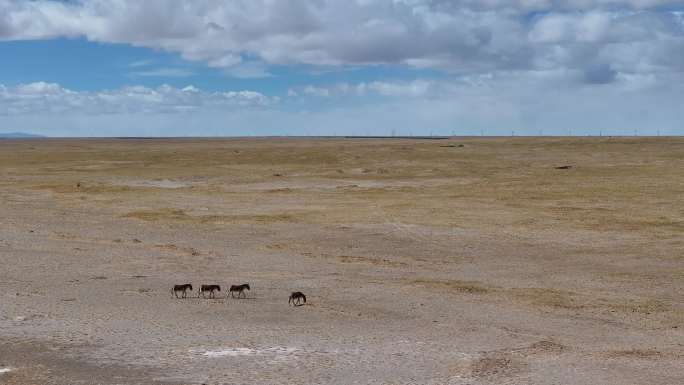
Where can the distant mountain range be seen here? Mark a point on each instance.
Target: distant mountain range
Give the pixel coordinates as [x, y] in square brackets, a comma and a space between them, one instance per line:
[11, 135]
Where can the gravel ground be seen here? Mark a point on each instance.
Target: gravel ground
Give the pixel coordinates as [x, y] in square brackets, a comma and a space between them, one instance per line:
[413, 276]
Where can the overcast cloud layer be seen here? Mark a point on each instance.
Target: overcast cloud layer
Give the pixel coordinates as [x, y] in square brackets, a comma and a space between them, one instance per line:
[460, 36]
[520, 55]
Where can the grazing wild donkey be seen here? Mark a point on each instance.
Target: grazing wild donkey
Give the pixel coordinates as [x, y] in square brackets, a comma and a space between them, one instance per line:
[240, 289]
[296, 298]
[208, 288]
[182, 289]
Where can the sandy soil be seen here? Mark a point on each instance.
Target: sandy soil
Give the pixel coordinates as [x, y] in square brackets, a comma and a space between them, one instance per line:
[424, 262]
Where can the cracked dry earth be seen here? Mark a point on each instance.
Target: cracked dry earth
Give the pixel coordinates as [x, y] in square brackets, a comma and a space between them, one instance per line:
[423, 263]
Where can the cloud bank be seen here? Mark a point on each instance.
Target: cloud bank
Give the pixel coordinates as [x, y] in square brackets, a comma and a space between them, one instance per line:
[523, 103]
[459, 36]
[51, 98]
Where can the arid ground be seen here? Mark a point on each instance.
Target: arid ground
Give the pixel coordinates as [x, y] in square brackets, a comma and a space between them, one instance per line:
[459, 261]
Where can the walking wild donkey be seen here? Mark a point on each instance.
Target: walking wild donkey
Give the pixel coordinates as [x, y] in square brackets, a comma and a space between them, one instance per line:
[183, 289]
[296, 298]
[240, 289]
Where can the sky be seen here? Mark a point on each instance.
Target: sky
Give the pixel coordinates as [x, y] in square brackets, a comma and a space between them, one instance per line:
[342, 67]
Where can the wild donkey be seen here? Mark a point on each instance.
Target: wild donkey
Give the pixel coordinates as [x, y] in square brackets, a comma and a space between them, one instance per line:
[208, 288]
[240, 289]
[182, 289]
[296, 298]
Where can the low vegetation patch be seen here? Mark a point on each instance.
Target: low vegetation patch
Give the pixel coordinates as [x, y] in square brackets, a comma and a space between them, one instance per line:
[369, 260]
[170, 214]
[469, 287]
[548, 297]
[635, 353]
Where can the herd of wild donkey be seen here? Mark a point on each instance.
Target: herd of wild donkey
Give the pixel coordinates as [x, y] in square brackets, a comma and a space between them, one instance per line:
[297, 298]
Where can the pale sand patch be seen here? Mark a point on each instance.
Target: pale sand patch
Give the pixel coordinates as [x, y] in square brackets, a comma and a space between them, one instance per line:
[278, 351]
[161, 183]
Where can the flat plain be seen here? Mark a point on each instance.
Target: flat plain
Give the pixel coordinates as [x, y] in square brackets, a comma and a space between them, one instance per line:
[458, 261]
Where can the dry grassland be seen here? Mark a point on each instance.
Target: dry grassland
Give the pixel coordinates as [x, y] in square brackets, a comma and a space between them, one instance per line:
[424, 261]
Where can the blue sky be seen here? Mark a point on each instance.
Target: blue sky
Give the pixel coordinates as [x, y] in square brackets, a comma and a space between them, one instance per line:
[90, 66]
[333, 67]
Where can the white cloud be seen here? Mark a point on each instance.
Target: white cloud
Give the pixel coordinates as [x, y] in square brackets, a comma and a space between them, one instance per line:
[247, 70]
[227, 60]
[461, 36]
[165, 72]
[38, 89]
[140, 63]
[49, 98]
[592, 27]
[419, 88]
[316, 91]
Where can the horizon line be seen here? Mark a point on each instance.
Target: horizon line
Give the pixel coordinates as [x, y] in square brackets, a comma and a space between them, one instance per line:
[398, 137]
